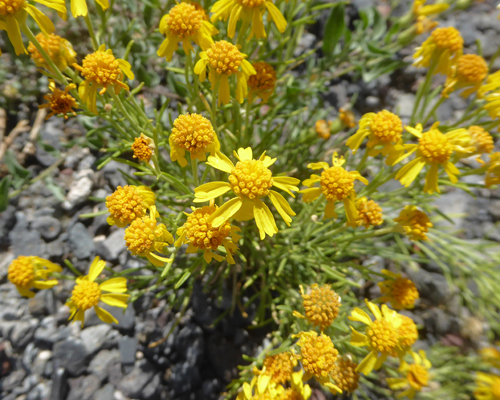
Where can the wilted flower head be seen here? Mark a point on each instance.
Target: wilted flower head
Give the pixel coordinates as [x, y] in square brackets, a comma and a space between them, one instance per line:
[58, 49]
[60, 102]
[416, 375]
[369, 213]
[321, 306]
[30, 272]
[415, 223]
[347, 117]
[143, 148]
[128, 203]
[322, 129]
[344, 374]
[262, 84]
[469, 72]
[400, 292]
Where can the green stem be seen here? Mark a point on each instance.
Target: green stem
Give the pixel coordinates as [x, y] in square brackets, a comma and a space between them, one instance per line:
[124, 111]
[423, 89]
[433, 110]
[187, 68]
[363, 161]
[194, 166]
[214, 105]
[248, 110]
[88, 22]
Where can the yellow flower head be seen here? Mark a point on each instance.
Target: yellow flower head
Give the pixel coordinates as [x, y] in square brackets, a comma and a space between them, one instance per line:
[336, 184]
[382, 336]
[415, 223]
[321, 306]
[407, 332]
[185, 22]
[469, 72]
[492, 170]
[262, 84]
[13, 15]
[298, 391]
[143, 148]
[87, 293]
[344, 374]
[144, 236]
[278, 368]
[202, 235]
[421, 12]
[440, 51]
[433, 149]
[416, 376]
[251, 12]
[488, 386]
[31, 273]
[322, 129]
[59, 50]
[369, 213]
[318, 356]
[384, 131]
[79, 7]
[224, 59]
[100, 70]
[262, 387]
[195, 134]
[128, 203]
[400, 292]
[60, 102]
[250, 180]
[347, 117]
[491, 355]
[479, 142]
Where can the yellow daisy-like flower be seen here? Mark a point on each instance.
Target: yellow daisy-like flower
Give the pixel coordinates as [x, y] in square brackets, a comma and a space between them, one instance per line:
[407, 332]
[143, 148]
[30, 272]
[433, 149]
[297, 391]
[223, 59]
[381, 336]
[417, 376]
[492, 83]
[79, 7]
[492, 170]
[480, 142]
[250, 12]
[58, 49]
[87, 293]
[469, 72]
[336, 184]
[400, 292]
[262, 84]
[145, 236]
[100, 70]
[276, 370]
[13, 15]
[128, 203]
[347, 118]
[415, 223]
[321, 306]
[488, 386]
[344, 374]
[322, 129]
[195, 134]
[318, 356]
[369, 213]
[491, 355]
[422, 12]
[384, 131]
[60, 102]
[250, 180]
[201, 235]
[261, 388]
[441, 50]
[185, 22]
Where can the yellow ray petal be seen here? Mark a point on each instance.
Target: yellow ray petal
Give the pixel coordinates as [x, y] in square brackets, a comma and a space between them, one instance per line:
[221, 162]
[105, 316]
[115, 285]
[96, 268]
[225, 212]
[210, 190]
[115, 300]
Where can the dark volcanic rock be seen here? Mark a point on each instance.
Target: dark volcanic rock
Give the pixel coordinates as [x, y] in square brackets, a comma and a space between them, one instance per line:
[70, 354]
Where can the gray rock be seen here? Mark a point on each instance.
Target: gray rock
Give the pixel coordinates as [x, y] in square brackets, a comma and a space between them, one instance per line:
[23, 333]
[4, 264]
[51, 133]
[431, 286]
[49, 227]
[223, 356]
[494, 210]
[183, 378]
[29, 355]
[94, 337]
[105, 393]
[490, 43]
[27, 243]
[48, 333]
[39, 392]
[112, 173]
[80, 189]
[70, 354]
[40, 363]
[404, 106]
[59, 384]
[372, 101]
[45, 158]
[80, 242]
[128, 348]
[133, 384]
[44, 303]
[110, 248]
[13, 380]
[102, 361]
[56, 248]
[491, 231]
[84, 388]
[86, 162]
[7, 222]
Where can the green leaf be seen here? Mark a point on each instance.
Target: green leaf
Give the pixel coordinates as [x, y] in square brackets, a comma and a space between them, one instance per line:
[334, 28]
[4, 192]
[14, 167]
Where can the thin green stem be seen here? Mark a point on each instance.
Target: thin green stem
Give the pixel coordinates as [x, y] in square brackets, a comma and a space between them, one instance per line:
[194, 166]
[88, 22]
[124, 111]
[423, 89]
[248, 110]
[214, 105]
[187, 68]
[433, 110]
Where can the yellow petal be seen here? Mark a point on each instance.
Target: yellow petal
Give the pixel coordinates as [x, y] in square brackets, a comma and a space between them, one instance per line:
[79, 8]
[366, 366]
[244, 154]
[221, 162]
[358, 339]
[286, 183]
[318, 165]
[103, 3]
[115, 300]
[126, 68]
[224, 213]
[374, 309]
[14, 34]
[224, 93]
[44, 22]
[281, 206]
[431, 179]
[115, 285]
[310, 194]
[330, 210]
[407, 174]
[104, 315]
[359, 315]
[96, 268]
[264, 219]
[277, 17]
[233, 19]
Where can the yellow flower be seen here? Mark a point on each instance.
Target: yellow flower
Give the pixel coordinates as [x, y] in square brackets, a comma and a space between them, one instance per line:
[344, 374]
[250, 180]
[144, 236]
[31, 273]
[433, 149]
[59, 50]
[400, 292]
[128, 203]
[251, 12]
[488, 387]
[407, 332]
[441, 50]
[369, 213]
[87, 294]
[384, 131]
[491, 355]
[321, 306]
[492, 83]
[60, 102]
[381, 336]
[185, 22]
[415, 223]
[262, 387]
[318, 356]
[194, 133]
[493, 170]
[201, 235]
[276, 370]
[79, 7]
[469, 72]
[13, 15]
[262, 84]
[336, 184]
[298, 391]
[479, 142]
[100, 70]
[223, 60]
[143, 148]
[417, 376]
[347, 117]
[422, 12]
[322, 129]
